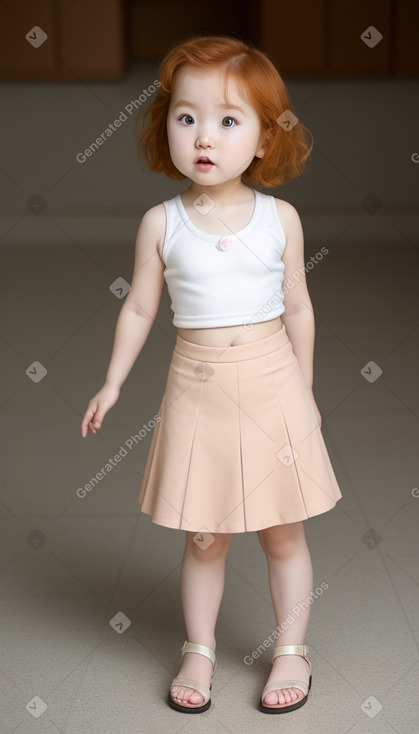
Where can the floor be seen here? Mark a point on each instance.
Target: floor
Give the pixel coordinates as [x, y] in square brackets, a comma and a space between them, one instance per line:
[92, 621]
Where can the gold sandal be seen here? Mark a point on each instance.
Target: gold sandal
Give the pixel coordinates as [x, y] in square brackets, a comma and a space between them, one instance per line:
[189, 683]
[282, 708]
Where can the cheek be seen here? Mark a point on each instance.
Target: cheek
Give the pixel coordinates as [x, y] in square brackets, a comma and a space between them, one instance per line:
[173, 141]
[179, 144]
[169, 131]
[240, 139]
[239, 145]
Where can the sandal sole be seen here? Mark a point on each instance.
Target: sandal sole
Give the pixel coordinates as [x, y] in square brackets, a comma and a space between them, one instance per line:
[189, 709]
[284, 709]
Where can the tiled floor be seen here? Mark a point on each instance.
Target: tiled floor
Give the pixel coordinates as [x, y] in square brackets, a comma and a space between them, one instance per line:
[70, 564]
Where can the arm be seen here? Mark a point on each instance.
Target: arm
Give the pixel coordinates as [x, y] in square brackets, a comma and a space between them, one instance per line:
[136, 317]
[131, 332]
[142, 302]
[298, 316]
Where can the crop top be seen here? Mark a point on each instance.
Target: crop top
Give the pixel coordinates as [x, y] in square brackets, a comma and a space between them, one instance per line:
[224, 280]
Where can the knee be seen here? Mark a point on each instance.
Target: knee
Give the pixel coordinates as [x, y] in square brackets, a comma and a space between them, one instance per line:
[208, 546]
[282, 541]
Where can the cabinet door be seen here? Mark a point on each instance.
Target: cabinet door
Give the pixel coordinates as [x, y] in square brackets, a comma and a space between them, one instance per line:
[59, 39]
[93, 38]
[19, 58]
[406, 22]
[360, 38]
[341, 38]
[295, 36]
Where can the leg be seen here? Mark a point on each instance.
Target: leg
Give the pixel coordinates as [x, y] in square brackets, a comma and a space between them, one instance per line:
[290, 580]
[203, 574]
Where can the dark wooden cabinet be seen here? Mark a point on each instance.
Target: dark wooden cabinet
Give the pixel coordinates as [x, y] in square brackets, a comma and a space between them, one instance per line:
[95, 39]
[85, 39]
[341, 38]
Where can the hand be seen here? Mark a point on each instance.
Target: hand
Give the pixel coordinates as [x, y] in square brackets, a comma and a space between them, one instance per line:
[98, 406]
[315, 408]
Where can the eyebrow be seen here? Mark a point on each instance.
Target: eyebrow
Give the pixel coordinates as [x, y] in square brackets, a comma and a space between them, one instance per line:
[183, 103]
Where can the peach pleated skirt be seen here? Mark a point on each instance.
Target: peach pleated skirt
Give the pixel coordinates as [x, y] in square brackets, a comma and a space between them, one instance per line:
[238, 447]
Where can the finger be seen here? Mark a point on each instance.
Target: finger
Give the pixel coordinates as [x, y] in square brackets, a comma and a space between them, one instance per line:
[85, 427]
[87, 420]
[87, 417]
[97, 421]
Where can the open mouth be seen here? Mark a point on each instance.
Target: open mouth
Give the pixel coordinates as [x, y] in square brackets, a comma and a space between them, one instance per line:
[204, 161]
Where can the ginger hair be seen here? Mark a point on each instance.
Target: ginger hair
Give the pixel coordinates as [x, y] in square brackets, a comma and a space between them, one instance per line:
[258, 82]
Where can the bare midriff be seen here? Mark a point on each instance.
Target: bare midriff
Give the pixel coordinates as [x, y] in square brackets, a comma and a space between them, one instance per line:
[230, 336]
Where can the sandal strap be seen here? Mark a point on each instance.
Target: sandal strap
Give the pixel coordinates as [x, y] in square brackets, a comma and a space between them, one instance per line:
[189, 683]
[202, 650]
[285, 684]
[292, 650]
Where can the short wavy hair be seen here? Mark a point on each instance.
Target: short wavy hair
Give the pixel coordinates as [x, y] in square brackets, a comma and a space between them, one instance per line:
[258, 82]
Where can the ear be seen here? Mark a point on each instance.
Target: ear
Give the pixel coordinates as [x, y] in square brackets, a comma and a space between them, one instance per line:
[263, 139]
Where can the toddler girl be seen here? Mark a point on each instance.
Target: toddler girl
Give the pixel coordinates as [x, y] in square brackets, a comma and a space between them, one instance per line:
[238, 445]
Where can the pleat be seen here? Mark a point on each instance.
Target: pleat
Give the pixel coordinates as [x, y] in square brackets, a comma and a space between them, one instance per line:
[318, 489]
[149, 483]
[238, 447]
[214, 482]
[273, 492]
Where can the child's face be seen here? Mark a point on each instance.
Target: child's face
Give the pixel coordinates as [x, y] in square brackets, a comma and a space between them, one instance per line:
[199, 123]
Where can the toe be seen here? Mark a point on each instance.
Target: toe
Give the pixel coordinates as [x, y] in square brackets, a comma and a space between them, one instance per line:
[196, 698]
[182, 694]
[282, 696]
[186, 695]
[271, 698]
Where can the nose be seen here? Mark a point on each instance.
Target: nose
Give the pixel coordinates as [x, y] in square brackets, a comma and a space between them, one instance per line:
[204, 139]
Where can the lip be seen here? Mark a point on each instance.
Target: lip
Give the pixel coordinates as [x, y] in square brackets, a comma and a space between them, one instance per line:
[204, 160]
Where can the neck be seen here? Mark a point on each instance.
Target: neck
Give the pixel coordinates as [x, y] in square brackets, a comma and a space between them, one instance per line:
[222, 194]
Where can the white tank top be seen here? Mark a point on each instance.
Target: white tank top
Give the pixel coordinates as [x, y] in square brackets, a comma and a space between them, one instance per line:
[226, 280]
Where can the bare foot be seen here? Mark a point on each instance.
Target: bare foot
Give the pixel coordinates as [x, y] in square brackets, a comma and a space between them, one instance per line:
[199, 668]
[287, 667]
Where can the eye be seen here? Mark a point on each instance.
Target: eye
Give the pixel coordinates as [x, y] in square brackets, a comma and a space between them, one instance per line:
[229, 118]
[188, 116]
